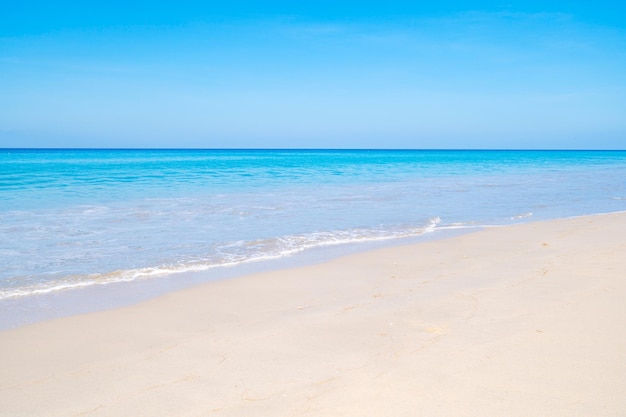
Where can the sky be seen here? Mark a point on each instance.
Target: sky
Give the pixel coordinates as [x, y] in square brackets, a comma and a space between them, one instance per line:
[324, 74]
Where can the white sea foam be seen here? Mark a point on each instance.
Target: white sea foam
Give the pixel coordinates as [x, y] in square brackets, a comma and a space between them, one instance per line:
[521, 216]
[233, 254]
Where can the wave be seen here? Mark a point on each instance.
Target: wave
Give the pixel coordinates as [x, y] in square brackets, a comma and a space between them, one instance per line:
[521, 216]
[229, 255]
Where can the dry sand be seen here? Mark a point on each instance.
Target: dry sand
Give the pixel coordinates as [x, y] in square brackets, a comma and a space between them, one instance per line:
[526, 320]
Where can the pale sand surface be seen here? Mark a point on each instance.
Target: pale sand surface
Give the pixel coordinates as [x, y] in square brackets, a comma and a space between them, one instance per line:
[526, 320]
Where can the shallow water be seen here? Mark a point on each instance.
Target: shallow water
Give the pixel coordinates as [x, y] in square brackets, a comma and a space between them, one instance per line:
[79, 218]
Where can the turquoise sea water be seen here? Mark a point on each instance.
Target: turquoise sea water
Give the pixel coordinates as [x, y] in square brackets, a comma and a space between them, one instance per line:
[76, 218]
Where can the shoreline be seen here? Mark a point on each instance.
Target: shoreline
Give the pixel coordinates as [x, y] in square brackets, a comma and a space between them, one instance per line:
[516, 320]
[33, 308]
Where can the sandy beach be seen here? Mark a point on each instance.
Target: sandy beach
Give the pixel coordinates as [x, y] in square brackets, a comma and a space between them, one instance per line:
[524, 320]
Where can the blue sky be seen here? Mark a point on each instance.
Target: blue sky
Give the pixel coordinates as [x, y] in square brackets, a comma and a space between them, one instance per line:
[325, 74]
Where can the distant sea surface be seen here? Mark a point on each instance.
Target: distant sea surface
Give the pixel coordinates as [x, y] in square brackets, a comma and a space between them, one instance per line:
[77, 218]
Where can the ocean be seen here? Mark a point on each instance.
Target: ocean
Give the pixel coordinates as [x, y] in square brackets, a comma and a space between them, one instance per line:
[79, 218]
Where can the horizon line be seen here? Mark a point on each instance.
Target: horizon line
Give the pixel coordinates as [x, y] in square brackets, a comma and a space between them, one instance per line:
[300, 149]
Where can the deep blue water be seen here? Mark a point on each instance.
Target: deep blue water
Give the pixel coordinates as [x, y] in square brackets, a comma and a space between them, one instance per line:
[71, 218]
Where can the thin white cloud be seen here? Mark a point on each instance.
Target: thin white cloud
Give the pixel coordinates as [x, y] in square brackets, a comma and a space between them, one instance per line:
[481, 15]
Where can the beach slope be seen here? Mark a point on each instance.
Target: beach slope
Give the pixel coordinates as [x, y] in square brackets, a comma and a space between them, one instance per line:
[524, 320]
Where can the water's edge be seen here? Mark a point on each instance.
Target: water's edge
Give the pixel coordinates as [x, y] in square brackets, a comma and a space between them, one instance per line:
[23, 311]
